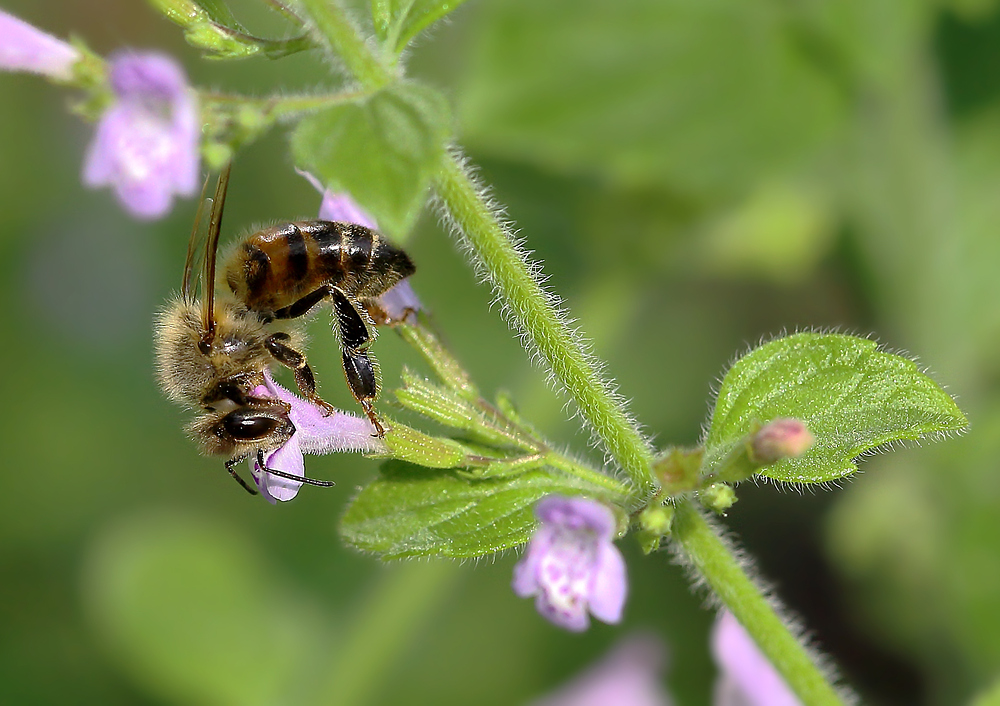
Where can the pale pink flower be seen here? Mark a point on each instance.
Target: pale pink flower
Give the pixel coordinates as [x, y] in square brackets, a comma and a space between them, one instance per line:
[572, 566]
[316, 432]
[629, 675]
[146, 144]
[23, 47]
[746, 677]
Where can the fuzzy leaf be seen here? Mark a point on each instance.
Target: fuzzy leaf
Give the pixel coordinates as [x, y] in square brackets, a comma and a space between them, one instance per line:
[412, 511]
[853, 396]
[383, 150]
[399, 21]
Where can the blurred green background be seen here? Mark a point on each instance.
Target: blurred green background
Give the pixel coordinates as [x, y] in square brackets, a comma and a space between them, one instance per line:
[696, 176]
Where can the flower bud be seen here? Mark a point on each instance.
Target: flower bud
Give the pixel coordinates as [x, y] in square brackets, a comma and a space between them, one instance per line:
[718, 497]
[780, 438]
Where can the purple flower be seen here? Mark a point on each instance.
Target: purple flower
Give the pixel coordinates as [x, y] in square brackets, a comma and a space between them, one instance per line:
[572, 565]
[316, 432]
[400, 303]
[629, 675]
[25, 48]
[146, 145]
[746, 677]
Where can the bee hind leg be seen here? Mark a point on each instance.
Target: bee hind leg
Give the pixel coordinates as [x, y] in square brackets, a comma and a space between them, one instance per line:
[364, 378]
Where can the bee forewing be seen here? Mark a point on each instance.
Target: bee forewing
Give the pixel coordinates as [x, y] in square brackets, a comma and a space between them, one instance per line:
[198, 233]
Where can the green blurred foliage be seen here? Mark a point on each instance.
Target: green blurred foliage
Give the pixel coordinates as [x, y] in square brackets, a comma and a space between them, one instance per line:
[695, 176]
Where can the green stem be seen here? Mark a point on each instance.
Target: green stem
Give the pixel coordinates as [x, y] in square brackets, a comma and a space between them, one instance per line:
[535, 312]
[279, 107]
[388, 622]
[715, 561]
[339, 33]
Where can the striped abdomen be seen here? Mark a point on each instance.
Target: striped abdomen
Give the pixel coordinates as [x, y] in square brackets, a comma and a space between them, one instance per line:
[276, 267]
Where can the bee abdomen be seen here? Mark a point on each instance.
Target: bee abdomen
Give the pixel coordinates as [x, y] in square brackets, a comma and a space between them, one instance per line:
[276, 267]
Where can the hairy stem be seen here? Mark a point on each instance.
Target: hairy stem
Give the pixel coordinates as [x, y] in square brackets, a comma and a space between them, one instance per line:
[334, 27]
[278, 107]
[536, 313]
[714, 560]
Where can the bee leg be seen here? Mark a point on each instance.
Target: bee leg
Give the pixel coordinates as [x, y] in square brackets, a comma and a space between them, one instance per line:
[231, 467]
[381, 317]
[288, 356]
[373, 418]
[363, 377]
[356, 333]
[303, 305]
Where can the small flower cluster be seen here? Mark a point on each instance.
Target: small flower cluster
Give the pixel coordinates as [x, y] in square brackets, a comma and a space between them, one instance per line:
[146, 147]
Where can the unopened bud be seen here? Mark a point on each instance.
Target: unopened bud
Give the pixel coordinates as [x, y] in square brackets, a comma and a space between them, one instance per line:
[778, 439]
[718, 497]
[654, 525]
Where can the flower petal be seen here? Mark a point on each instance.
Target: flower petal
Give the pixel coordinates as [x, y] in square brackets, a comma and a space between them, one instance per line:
[576, 513]
[525, 581]
[610, 585]
[24, 47]
[571, 617]
[319, 432]
[400, 303]
[146, 74]
[748, 678]
[289, 459]
[339, 207]
[629, 675]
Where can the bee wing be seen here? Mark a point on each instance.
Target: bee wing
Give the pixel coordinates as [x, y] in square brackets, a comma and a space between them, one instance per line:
[198, 233]
[211, 250]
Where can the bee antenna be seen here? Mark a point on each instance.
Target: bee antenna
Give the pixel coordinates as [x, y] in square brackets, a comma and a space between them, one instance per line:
[301, 479]
[289, 476]
[211, 249]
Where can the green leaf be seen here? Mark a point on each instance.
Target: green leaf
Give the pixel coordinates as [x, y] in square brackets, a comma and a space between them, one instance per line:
[446, 406]
[399, 21]
[210, 25]
[853, 396]
[699, 96]
[411, 511]
[383, 150]
[416, 447]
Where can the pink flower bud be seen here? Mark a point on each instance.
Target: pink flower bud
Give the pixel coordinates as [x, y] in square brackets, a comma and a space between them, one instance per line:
[780, 438]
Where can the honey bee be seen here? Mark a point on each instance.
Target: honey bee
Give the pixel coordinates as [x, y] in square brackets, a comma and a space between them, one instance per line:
[211, 352]
[282, 272]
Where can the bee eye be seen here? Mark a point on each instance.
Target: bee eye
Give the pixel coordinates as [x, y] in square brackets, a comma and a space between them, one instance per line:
[247, 425]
